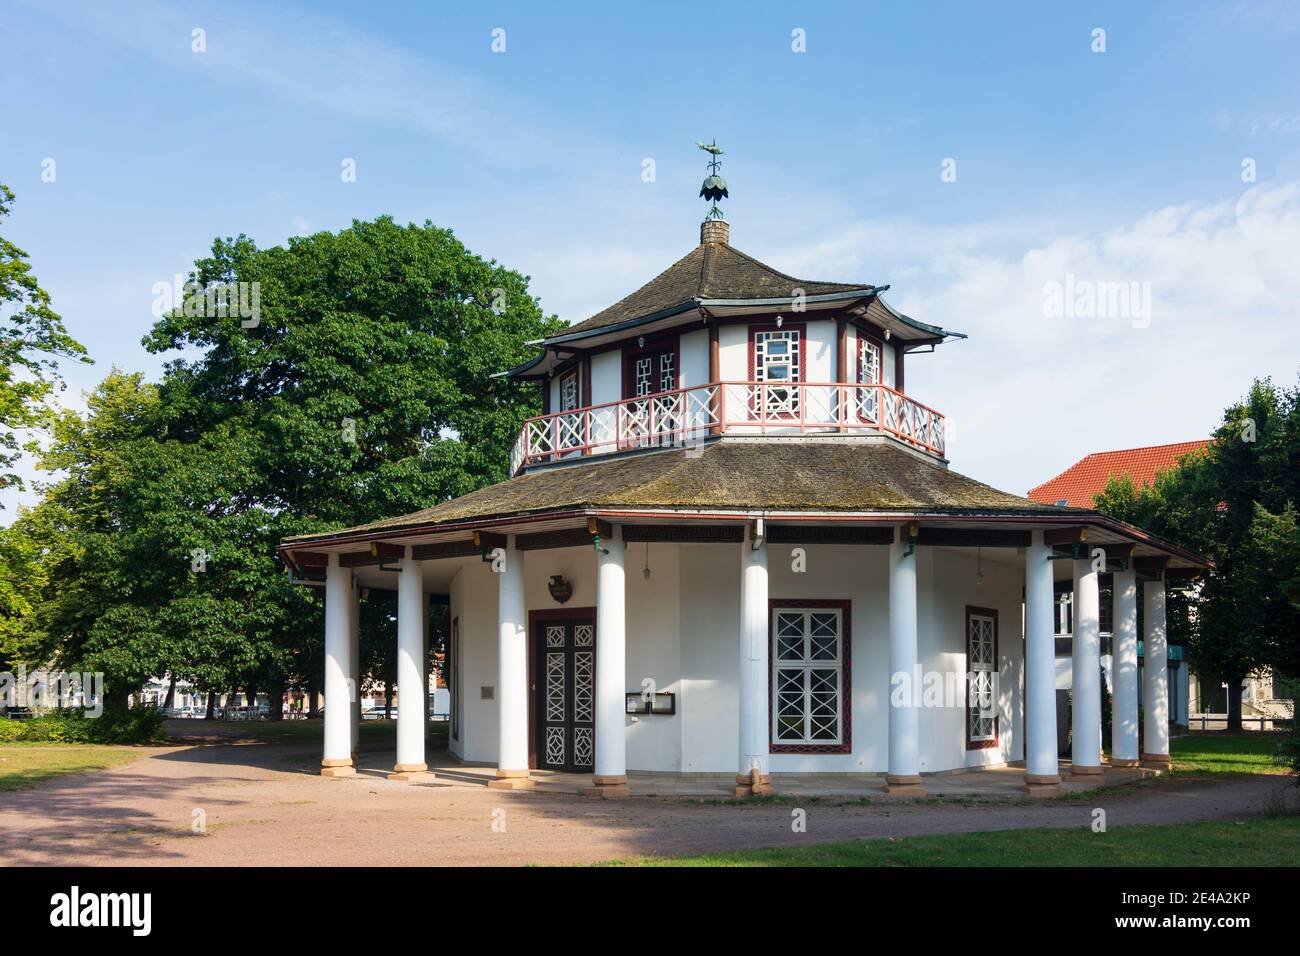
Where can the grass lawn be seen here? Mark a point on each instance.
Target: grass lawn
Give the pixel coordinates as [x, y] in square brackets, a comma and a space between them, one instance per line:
[1226, 753]
[25, 765]
[1260, 841]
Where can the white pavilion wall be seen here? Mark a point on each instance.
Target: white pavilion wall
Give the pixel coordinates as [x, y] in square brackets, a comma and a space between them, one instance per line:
[682, 633]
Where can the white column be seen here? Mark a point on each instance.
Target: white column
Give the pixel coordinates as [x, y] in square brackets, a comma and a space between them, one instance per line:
[610, 778]
[904, 774]
[1155, 674]
[1042, 767]
[1085, 722]
[1124, 699]
[410, 669]
[337, 758]
[354, 669]
[512, 670]
[753, 690]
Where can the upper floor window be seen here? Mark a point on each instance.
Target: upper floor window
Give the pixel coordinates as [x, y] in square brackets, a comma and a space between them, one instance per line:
[652, 374]
[777, 358]
[569, 397]
[868, 362]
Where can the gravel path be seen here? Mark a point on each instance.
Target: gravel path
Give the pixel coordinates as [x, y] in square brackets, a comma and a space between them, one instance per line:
[264, 804]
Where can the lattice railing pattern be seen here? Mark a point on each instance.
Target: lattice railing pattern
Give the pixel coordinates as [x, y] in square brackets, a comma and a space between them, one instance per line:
[689, 415]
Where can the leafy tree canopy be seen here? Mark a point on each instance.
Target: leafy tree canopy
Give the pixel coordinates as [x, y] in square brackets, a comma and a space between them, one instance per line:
[32, 340]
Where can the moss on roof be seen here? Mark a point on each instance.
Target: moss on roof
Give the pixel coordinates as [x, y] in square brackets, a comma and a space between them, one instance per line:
[775, 476]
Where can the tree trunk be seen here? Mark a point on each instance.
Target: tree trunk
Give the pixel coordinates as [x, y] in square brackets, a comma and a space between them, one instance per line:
[277, 693]
[212, 706]
[170, 702]
[388, 700]
[250, 692]
[313, 702]
[1234, 705]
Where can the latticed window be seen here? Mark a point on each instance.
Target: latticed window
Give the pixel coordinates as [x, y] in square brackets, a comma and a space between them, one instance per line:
[868, 362]
[654, 373]
[776, 359]
[569, 392]
[807, 676]
[982, 668]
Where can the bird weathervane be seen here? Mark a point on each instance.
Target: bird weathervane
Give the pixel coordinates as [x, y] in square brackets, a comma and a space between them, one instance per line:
[715, 187]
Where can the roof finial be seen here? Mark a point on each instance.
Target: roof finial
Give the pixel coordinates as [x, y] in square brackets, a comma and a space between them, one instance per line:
[715, 187]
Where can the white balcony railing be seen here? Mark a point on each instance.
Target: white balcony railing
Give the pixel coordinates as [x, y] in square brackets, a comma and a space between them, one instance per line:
[689, 415]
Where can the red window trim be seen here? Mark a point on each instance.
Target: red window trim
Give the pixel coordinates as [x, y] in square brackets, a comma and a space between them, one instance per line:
[997, 669]
[800, 327]
[846, 676]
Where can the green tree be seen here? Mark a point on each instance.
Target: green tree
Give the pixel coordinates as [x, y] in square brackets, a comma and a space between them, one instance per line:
[32, 340]
[360, 388]
[1237, 505]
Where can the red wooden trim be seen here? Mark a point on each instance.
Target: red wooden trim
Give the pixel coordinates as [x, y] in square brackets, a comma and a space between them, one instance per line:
[842, 356]
[584, 389]
[846, 676]
[997, 670]
[715, 374]
[581, 614]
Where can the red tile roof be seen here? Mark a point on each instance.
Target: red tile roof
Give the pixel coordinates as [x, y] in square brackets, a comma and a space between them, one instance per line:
[1077, 485]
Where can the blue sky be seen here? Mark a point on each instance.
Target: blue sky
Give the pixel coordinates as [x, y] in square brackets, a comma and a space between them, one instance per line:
[1124, 165]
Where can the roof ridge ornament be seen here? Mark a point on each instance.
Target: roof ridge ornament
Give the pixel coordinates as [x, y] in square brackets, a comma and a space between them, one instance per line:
[715, 187]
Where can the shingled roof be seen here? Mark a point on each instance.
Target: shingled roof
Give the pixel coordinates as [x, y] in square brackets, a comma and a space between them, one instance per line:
[712, 270]
[774, 476]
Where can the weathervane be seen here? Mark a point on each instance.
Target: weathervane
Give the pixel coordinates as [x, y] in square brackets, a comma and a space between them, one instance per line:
[715, 187]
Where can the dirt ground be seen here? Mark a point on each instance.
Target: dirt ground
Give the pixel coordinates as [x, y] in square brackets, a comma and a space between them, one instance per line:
[265, 804]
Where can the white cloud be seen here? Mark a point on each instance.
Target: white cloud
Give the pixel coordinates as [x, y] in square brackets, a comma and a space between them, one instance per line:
[1028, 394]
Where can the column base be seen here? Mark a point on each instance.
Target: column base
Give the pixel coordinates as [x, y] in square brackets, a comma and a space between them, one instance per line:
[1123, 762]
[1042, 784]
[337, 768]
[608, 787]
[1155, 761]
[753, 785]
[410, 771]
[904, 785]
[512, 780]
[1091, 774]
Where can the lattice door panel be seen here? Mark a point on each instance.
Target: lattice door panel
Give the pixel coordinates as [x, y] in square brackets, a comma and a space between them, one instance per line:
[566, 701]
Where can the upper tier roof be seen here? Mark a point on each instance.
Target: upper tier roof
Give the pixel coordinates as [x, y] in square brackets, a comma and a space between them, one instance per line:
[712, 270]
[716, 279]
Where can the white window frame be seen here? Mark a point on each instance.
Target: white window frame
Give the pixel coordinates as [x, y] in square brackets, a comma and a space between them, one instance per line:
[805, 665]
[565, 380]
[868, 347]
[780, 401]
[982, 679]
